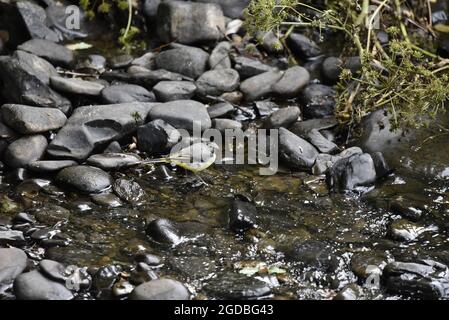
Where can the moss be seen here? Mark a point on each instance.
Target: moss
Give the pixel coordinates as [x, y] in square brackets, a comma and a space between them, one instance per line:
[405, 76]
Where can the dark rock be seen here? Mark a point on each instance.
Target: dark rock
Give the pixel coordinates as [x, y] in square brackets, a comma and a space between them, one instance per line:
[24, 20]
[349, 173]
[270, 42]
[13, 262]
[378, 134]
[301, 128]
[113, 161]
[24, 151]
[365, 264]
[189, 23]
[295, 151]
[121, 61]
[192, 267]
[104, 279]
[406, 209]
[220, 110]
[146, 78]
[231, 8]
[50, 214]
[57, 16]
[145, 61]
[319, 101]
[50, 165]
[303, 46]
[266, 107]
[18, 85]
[188, 61]
[161, 289]
[36, 66]
[163, 231]
[248, 68]
[219, 57]
[226, 124]
[282, 118]
[242, 216]
[113, 147]
[31, 120]
[350, 292]
[261, 85]
[124, 93]
[293, 81]
[234, 286]
[333, 66]
[148, 258]
[217, 82]
[23, 217]
[315, 254]
[93, 63]
[106, 199]
[157, 137]
[404, 230]
[426, 279]
[129, 191]
[381, 165]
[93, 126]
[182, 114]
[323, 163]
[321, 143]
[11, 237]
[76, 86]
[55, 53]
[150, 8]
[85, 178]
[53, 270]
[174, 90]
[34, 286]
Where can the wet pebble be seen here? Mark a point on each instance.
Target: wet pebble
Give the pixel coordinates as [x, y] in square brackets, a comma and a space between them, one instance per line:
[85, 178]
[163, 231]
[107, 199]
[13, 262]
[34, 286]
[113, 161]
[161, 289]
[129, 191]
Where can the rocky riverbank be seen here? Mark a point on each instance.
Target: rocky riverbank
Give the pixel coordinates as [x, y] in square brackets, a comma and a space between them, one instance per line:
[82, 218]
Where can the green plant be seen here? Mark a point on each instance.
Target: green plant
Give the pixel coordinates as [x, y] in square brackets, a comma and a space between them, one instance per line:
[407, 79]
[127, 34]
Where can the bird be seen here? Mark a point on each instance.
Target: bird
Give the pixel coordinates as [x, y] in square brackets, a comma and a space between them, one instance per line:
[195, 158]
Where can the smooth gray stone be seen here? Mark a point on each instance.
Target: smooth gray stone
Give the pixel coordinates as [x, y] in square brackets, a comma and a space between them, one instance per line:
[160, 289]
[248, 67]
[93, 126]
[51, 165]
[174, 90]
[55, 53]
[293, 81]
[111, 161]
[34, 286]
[31, 120]
[226, 124]
[85, 178]
[182, 114]
[124, 93]
[25, 151]
[282, 118]
[76, 86]
[219, 57]
[13, 262]
[219, 110]
[188, 61]
[320, 142]
[295, 151]
[217, 82]
[36, 66]
[261, 85]
[188, 22]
